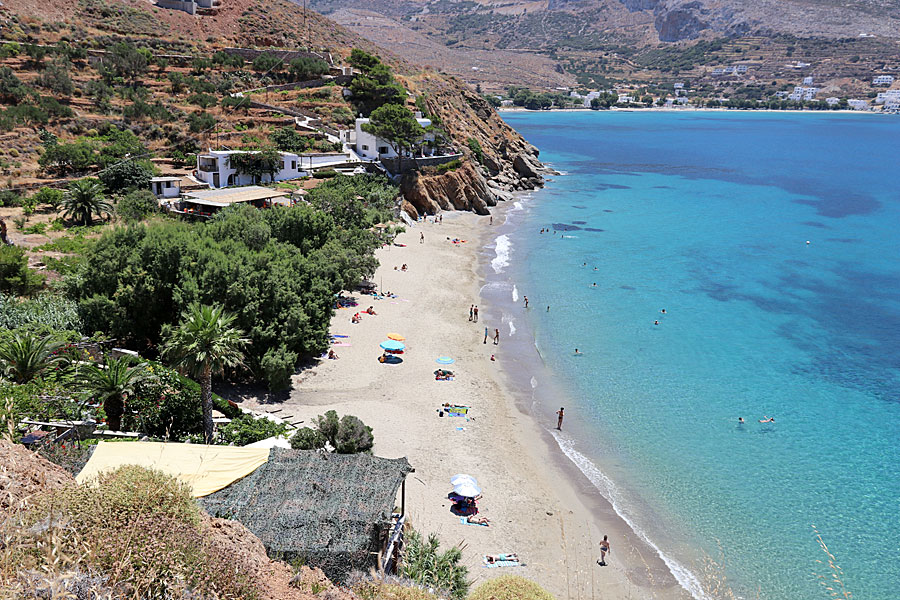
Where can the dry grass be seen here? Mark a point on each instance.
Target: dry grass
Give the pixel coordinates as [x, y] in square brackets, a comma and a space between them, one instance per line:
[510, 587]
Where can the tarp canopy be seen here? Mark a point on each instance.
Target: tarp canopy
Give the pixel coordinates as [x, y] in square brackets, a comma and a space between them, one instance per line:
[205, 468]
[328, 510]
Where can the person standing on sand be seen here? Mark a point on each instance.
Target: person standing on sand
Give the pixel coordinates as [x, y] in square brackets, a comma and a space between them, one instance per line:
[526, 301]
[471, 312]
[485, 335]
[604, 550]
[496, 337]
[475, 313]
[421, 238]
[560, 414]
[492, 220]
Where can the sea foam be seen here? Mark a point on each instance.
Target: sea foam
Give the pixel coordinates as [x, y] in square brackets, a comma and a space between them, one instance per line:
[608, 490]
[502, 250]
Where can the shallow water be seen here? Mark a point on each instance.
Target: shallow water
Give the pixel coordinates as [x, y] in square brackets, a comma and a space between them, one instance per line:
[707, 215]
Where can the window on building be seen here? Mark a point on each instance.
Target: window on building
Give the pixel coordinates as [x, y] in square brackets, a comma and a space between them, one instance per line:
[382, 150]
[282, 165]
[168, 184]
[294, 165]
[365, 147]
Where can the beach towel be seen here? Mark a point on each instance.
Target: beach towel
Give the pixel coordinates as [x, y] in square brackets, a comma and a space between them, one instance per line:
[344, 344]
[465, 521]
[501, 563]
[446, 379]
[335, 335]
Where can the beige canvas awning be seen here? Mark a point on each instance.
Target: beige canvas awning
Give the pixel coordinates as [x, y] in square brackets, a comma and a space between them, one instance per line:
[229, 196]
[206, 469]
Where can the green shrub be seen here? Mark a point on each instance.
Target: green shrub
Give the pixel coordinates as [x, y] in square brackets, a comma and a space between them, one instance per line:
[137, 205]
[424, 564]
[353, 436]
[201, 122]
[36, 229]
[15, 276]
[168, 406]
[477, 152]
[128, 174]
[450, 166]
[510, 587]
[308, 438]
[348, 435]
[202, 100]
[46, 310]
[247, 429]
[52, 198]
[325, 174]
[10, 198]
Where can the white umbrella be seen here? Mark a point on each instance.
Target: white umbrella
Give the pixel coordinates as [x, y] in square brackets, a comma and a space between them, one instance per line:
[467, 489]
[462, 478]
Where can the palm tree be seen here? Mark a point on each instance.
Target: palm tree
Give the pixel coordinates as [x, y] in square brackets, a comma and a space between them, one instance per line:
[26, 356]
[83, 200]
[203, 344]
[113, 383]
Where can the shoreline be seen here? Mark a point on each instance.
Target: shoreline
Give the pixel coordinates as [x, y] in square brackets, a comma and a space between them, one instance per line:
[520, 109]
[538, 506]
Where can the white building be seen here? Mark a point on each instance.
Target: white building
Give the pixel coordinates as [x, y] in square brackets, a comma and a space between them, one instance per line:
[832, 101]
[884, 97]
[883, 80]
[807, 80]
[370, 147]
[740, 69]
[166, 187]
[858, 104]
[214, 167]
[892, 104]
[803, 93]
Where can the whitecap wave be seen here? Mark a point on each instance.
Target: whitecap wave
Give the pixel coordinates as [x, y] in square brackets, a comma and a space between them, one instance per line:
[608, 490]
[515, 293]
[512, 328]
[502, 250]
[534, 382]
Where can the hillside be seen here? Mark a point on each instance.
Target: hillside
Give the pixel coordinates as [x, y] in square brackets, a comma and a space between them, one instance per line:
[601, 41]
[166, 93]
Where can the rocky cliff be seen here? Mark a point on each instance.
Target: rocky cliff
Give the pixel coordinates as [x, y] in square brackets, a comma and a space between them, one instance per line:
[506, 163]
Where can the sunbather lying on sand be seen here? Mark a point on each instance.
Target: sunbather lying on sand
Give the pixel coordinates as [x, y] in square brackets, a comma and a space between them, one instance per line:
[492, 558]
[476, 520]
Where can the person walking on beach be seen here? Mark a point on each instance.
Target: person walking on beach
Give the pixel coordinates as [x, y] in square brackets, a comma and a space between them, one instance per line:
[496, 336]
[560, 414]
[492, 220]
[604, 550]
[475, 313]
[421, 238]
[472, 312]
[526, 301]
[485, 335]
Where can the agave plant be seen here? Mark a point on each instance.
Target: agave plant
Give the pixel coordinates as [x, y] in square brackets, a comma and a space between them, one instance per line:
[26, 356]
[113, 383]
[83, 200]
[425, 564]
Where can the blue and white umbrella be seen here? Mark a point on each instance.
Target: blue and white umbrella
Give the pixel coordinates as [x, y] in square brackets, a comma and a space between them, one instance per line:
[393, 345]
[445, 360]
[462, 478]
[467, 489]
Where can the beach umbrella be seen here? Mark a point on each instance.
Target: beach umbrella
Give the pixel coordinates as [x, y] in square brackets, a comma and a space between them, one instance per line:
[396, 337]
[462, 478]
[393, 345]
[467, 489]
[445, 360]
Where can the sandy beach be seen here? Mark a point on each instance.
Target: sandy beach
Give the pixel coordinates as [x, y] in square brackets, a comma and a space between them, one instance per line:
[538, 504]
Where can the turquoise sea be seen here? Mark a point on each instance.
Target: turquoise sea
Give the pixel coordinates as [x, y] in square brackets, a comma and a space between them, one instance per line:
[707, 215]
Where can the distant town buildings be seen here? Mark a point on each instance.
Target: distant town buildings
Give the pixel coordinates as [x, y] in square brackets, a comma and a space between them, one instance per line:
[190, 6]
[731, 70]
[832, 101]
[887, 96]
[803, 93]
[808, 80]
[858, 104]
[883, 80]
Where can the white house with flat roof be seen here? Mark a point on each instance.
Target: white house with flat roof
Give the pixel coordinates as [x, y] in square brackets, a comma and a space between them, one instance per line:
[166, 187]
[884, 97]
[370, 147]
[804, 93]
[883, 80]
[214, 168]
[858, 104]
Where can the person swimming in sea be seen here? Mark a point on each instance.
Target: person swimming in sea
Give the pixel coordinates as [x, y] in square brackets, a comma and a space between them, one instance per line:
[663, 311]
[767, 419]
[740, 420]
[577, 353]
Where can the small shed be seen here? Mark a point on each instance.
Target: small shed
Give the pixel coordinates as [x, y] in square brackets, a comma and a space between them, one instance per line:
[332, 511]
[166, 187]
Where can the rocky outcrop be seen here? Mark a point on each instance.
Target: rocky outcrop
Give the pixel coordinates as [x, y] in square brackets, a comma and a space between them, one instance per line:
[506, 163]
[462, 189]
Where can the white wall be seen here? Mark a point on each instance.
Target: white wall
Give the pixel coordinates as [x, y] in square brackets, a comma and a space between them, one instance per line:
[290, 169]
